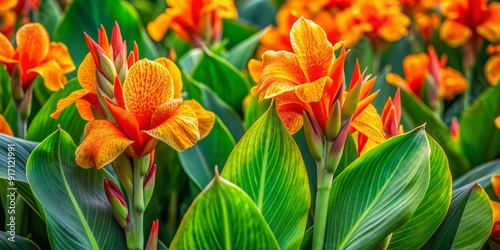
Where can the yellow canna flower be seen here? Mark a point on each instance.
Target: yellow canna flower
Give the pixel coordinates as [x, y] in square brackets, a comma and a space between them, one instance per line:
[36, 55]
[193, 20]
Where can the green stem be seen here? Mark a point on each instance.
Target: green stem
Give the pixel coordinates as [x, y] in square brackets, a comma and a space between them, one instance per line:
[22, 124]
[172, 211]
[135, 234]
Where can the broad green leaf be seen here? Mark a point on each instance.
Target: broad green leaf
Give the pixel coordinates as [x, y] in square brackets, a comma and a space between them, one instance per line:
[267, 164]
[88, 15]
[223, 78]
[236, 31]
[378, 192]
[77, 212]
[18, 243]
[239, 55]
[223, 217]
[467, 224]
[43, 125]
[258, 12]
[48, 14]
[417, 113]
[480, 174]
[306, 241]
[349, 154]
[199, 161]
[432, 210]
[21, 150]
[481, 145]
[254, 110]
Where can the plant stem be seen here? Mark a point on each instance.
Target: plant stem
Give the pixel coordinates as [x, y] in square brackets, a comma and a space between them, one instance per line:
[172, 211]
[135, 234]
[22, 124]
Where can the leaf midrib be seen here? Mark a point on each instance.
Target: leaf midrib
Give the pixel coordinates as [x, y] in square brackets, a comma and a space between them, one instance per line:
[260, 200]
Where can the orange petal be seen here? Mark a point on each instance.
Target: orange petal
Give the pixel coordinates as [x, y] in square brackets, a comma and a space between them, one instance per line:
[158, 27]
[66, 102]
[415, 67]
[454, 34]
[86, 73]
[490, 29]
[495, 184]
[6, 50]
[491, 71]
[52, 74]
[370, 124]
[6, 5]
[175, 73]
[85, 110]
[497, 122]
[452, 84]
[60, 54]
[312, 48]
[290, 110]
[496, 211]
[206, 118]
[175, 124]
[147, 86]
[313, 91]
[4, 127]
[397, 81]
[103, 143]
[255, 69]
[32, 45]
[395, 27]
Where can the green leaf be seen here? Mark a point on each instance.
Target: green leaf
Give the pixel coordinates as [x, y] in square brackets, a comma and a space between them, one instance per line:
[4, 89]
[239, 55]
[306, 241]
[267, 164]
[349, 154]
[467, 224]
[432, 210]
[88, 15]
[481, 145]
[43, 125]
[480, 174]
[48, 14]
[77, 212]
[21, 150]
[19, 243]
[199, 161]
[223, 217]
[378, 192]
[236, 31]
[417, 113]
[255, 110]
[223, 78]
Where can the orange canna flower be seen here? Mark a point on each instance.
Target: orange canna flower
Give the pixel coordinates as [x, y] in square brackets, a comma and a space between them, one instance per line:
[495, 184]
[491, 71]
[4, 127]
[419, 69]
[193, 20]
[468, 20]
[6, 5]
[311, 80]
[36, 55]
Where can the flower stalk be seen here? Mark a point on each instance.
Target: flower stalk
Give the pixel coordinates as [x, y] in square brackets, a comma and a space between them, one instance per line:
[135, 230]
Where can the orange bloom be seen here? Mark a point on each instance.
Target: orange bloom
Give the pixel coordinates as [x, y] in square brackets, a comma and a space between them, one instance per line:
[4, 127]
[419, 69]
[312, 80]
[193, 20]
[468, 20]
[495, 184]
[6, 5]
[36, 55]
[497, 122]
[491, 67]
[140, 110]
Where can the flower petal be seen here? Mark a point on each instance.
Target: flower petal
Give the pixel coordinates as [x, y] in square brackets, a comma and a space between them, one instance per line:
[66, 102]
[206, 118]
[147, 86]
[453, 83]
[290, 110]
[495, 184]
[491, 71]
[86, 73]
[158, 27]
[490, 29]
[314, 51]
[6, 5]
[175, 73]
[313, 91]
[4, 127]
[497, 122]
[6, 50]
[103, 143]
[177, 125]
[32, 45]
[60, 54]
[255, 69]
[52, 74]
[454, 34]
[85, 110]
[370, 124]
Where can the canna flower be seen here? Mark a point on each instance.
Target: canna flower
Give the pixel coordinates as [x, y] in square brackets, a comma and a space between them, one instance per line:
[36, 55]
[12, 11]
[491, 71]
[497, 122]
[454, 129]
[131, 115]
[495, 232]
[469, 20]
[311, 80]
[4, 127]
[426, 69]
[193, 20]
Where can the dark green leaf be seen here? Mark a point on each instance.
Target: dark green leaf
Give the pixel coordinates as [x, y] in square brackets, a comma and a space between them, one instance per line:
[480, 174]
[17, 242]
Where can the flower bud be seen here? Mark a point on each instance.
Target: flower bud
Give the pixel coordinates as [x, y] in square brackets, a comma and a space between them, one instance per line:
[149, 184]
[314, 139]
[351, 101]
[123, 169]
[16, 85]
[454, 129]
[333, 157]
[153, 237]
[118, 204]
[334, 121]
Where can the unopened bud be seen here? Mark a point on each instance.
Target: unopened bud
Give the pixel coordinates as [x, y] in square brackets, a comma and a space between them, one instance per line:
[118, 204]
[454, 129]
[123, 169]
[25, 105]
[149, 184]
[107, 66]
[105, 85]
[351, 101]
[334, 122]
[153, 237]
[333, 157]
[16, 85]
[314, 139]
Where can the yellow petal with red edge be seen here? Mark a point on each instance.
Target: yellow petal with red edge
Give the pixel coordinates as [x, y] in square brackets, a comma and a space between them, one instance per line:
[290, 110]
[491, 69]
[32, 45]
[454, 34]
[87, 73]
[66, 102]
[85, 110]
[206, 118]
[6, 50]
[312, 48]
[103, 143]
[52, 75]
[175, 124]
[497, 122]
[255, 69]
[158, 27]
[370, 124]
[148, 85]
[175, 73]
[496, 211]
[60, 54]
[4, 127]
[313, 91]
[6, 5]
[495, 184]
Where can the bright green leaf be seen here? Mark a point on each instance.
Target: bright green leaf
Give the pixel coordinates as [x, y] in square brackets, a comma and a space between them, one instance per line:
[267, 164]
[239, 55]
[378, 192]
[223, 217]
